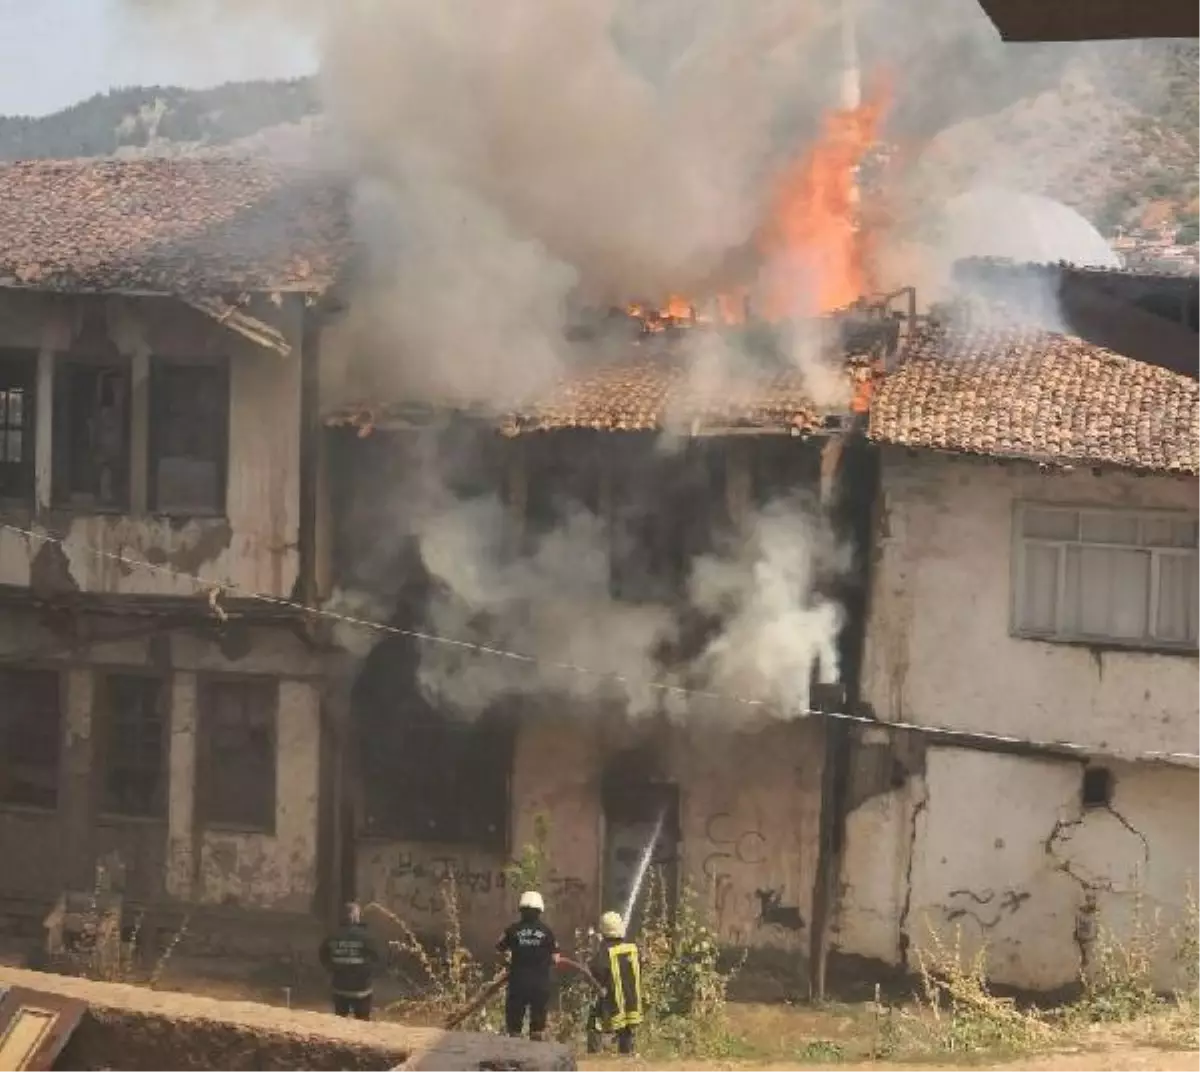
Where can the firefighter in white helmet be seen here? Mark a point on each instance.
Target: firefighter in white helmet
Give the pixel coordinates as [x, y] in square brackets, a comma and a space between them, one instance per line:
[532, 954]
[617, 968]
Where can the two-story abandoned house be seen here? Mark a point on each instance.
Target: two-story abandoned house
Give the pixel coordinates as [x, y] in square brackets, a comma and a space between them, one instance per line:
[613, 486]
[157, 709]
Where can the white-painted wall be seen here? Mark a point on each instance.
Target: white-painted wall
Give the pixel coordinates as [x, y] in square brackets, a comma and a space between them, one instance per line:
[939, 650]
[1001, 845]
[998, 849]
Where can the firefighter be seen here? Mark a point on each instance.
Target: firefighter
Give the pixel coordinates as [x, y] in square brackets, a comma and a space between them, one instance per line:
[617, 968]
[350, 955]
[532, 954]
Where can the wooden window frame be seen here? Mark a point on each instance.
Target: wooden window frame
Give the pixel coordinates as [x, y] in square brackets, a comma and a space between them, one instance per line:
[205, 789]
[63, 495]
[160, 366]
[105, 716]
[1021, 544]
[494, 730]
[60, 696]
[13, 359]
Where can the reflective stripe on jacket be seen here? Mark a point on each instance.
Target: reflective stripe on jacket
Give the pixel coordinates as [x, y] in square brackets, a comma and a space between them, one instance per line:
[626, 968]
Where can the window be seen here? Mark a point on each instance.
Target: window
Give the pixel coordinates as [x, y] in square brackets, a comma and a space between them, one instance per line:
[189, 437]
[1106, 576]
[133, 721]
[237, 753]
[18, 370]
[30, 737]
[91, 433]
[435, 779]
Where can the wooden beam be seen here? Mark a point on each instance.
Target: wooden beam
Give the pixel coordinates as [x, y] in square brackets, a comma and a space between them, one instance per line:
[1092, 20]
[257, 331]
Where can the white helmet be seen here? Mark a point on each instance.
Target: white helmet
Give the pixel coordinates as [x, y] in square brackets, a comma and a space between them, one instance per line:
[532, 899]
[612, 925]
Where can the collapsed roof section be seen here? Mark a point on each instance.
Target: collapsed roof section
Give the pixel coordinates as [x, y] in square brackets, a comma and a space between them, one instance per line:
[957, 382]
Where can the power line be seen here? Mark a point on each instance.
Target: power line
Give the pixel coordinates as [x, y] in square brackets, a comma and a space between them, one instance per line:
[215, 589]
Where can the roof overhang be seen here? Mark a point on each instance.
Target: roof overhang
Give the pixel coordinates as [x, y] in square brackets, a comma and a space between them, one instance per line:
[1092, 20]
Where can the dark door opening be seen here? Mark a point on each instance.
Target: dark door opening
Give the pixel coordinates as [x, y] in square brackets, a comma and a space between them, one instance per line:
[641, 847]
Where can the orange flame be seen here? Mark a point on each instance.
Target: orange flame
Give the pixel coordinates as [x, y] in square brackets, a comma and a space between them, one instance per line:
[816, 252]
[818, 256]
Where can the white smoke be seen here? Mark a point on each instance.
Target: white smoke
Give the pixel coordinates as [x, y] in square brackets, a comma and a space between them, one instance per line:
[553, 604]
[778, 629]
[515, 158]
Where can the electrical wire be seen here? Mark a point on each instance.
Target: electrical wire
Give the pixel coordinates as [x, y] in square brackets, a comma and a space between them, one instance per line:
[215, 589]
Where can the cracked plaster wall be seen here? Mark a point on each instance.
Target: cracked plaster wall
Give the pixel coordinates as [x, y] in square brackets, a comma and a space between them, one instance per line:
[1002, 847]
[938, 648]
[254, 546]
[1001, 844]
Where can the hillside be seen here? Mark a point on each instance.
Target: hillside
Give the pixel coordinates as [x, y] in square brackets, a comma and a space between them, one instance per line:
[1112, 134]
[158, 119]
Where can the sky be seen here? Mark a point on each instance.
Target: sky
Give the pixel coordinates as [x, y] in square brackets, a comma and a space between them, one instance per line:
[56, 52]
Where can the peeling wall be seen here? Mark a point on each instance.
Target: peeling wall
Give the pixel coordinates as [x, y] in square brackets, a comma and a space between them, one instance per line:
[1001, 847]
[938, 648]
[254, 546]
[173, 857]
[749, 808]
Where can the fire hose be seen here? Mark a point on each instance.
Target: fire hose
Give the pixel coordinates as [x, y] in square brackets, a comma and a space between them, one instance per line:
[486, 994]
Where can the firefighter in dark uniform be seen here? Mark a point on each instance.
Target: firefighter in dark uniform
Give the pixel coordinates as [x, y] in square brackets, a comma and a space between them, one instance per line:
[617, 968]
[350, 955]
[532, 954]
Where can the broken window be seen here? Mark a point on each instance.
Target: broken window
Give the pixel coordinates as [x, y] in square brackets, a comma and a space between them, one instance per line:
[1106, 576]
[133, 743]
[91, 433]
[237, 753]
[18, 371]
[665, 514]
[30, 737]
[440, 780]
[189, 437]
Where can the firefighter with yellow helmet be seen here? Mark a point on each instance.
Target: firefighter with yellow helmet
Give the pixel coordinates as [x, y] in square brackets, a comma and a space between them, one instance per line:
[617, 969]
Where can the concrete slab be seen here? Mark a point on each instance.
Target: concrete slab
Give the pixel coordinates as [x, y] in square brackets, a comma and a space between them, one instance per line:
[130, 1027]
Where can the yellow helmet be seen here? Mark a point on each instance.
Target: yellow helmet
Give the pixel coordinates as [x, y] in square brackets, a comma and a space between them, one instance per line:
[612, 925]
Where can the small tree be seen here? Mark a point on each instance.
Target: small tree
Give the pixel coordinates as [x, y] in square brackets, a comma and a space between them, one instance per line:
[531, 867]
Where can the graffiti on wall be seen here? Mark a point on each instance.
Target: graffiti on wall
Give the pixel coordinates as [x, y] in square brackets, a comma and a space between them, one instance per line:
[983, 906]
[737, 852]
[774, 913]
[731, 847]
[417, 885]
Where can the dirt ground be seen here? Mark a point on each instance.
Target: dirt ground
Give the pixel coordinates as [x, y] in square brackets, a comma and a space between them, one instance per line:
[1117, 1060]
[774, 1033]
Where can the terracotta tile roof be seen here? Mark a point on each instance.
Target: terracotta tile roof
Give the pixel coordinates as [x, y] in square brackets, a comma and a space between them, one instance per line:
[658, 391]
[1008, 392]
[169, 225]
[646, 388]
